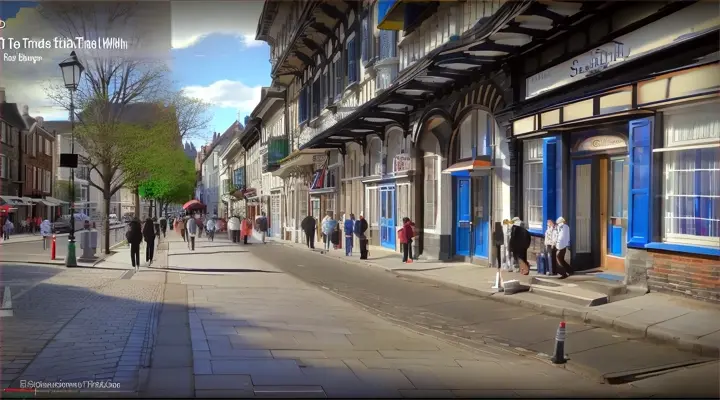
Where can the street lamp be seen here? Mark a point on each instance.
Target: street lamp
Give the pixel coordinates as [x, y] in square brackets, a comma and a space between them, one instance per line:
[72, 70]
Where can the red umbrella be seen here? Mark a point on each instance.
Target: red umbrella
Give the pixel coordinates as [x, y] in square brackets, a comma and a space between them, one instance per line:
[193, 205]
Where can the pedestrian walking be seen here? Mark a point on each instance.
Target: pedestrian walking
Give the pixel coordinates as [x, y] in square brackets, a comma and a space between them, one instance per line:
[149, 234]
[551, 236]
[201, 226]
[520, 243]
[261, 224]
[509, 264]
[405, 235]
[134, 236]
[246, 229]
[7, 228]
[45, 231]
[328, 227]
[210, 228]
[233, 227]
[163, 225]
[156, 226]
[192, 230]
[562, 245]
[361, 226]
[499, 242]
[349, 231]
[182, 226]
[309, 226]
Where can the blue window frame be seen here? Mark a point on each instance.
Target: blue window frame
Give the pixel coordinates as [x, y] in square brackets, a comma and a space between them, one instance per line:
[639, 212]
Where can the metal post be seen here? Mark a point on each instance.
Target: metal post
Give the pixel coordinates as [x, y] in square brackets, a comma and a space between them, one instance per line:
[70, 260]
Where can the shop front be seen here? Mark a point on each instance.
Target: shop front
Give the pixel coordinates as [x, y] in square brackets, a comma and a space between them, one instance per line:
[628, 155]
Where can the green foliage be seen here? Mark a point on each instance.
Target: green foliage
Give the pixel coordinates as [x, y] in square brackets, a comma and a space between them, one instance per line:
[174, 183]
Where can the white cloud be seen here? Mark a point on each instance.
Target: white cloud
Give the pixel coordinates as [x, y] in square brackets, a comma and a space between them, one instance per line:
[228, 94]
[27, 83]
[233, 18]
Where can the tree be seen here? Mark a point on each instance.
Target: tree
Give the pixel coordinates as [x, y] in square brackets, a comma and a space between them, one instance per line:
[192, 115]
[174, 184]
[118, 93]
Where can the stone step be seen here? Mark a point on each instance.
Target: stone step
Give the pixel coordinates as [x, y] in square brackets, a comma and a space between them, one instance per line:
[570, 292]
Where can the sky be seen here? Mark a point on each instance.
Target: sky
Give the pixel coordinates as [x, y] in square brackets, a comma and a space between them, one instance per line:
[209, 47]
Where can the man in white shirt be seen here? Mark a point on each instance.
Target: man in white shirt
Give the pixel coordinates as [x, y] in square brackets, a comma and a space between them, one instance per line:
[563, 242]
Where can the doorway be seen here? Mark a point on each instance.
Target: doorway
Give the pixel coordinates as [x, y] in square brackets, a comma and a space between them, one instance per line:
[387, 217]
[585, 234]
[472, 216]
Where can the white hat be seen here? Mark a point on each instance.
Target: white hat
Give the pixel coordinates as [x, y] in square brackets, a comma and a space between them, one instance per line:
[516, 219]
[560, 220]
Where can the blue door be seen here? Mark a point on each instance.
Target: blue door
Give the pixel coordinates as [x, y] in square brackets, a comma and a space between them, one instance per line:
[387, 217]
[462, 217]
[481, 225]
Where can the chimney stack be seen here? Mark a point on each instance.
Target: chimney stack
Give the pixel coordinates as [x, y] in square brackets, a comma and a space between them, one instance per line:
[2, 94]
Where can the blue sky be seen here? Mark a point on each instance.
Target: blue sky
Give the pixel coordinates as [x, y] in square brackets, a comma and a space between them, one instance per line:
[217, 69]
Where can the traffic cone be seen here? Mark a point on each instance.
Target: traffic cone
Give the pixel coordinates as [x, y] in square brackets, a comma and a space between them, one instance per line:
[559, 355]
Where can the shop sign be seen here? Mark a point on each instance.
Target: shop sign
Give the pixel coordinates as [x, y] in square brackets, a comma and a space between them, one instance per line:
[250, 193]
[688, 23]
[402, 163]
[604, 142]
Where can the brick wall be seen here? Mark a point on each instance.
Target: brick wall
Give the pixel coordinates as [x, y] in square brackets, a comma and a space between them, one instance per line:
[694, 276]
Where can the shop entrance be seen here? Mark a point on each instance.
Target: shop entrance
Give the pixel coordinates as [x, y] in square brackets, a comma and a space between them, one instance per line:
[472, 216]
[387, 217]
[598, 220]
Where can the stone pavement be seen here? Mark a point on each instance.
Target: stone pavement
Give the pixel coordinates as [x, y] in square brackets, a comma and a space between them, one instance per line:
[81, 324]
[687, 324]
[262, 333]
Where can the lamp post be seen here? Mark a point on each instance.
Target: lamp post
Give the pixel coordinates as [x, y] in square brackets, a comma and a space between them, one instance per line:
[72, 70]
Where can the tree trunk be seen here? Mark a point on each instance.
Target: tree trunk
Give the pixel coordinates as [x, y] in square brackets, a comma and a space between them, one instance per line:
[106, 222]
[136, 200]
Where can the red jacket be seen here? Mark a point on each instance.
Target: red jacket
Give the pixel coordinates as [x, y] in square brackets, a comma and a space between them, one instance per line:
[407, 231]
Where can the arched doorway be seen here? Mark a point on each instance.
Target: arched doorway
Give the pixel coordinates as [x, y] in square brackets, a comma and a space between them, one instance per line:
[471, 151]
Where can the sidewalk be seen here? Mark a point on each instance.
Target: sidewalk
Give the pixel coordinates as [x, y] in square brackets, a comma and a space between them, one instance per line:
[26, 237]
[687, 324]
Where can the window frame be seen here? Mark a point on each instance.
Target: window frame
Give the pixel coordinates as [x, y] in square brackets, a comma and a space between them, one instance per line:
[4, 132]
[434, 160]
[673, 147]
[4, 167]
[531, 162]
[476, 137]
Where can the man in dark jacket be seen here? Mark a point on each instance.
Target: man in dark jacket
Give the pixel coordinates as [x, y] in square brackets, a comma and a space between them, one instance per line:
[361, 226]
[149, 236]
[519, 245]
[261, 225]
[349, 228]
[163, 225]
[134, 237]
[309, 226]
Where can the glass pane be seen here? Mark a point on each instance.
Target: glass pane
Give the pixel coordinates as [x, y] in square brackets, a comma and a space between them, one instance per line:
[466, 138]
[482, 131]
[625, 188]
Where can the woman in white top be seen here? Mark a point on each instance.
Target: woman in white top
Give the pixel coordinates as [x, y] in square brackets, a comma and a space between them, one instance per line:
[563, 242]
[45, 231]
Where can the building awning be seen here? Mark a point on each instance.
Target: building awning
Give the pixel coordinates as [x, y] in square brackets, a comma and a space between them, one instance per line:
[17, 201]
[297, 159]
[56, 201]
[45, 202]
[477, 166]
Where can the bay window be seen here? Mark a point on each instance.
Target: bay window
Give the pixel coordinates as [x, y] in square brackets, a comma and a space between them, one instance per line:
[352, 64]
[691, 172]
[533, 183]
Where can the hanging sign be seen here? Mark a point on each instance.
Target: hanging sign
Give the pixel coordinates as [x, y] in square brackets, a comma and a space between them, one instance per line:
[402, 163]
[688, 23]
[604, 142]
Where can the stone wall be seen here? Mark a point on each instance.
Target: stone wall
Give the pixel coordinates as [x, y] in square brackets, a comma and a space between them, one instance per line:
[692, 276]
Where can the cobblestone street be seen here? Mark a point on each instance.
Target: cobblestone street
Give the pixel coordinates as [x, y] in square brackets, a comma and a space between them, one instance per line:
[80, 324]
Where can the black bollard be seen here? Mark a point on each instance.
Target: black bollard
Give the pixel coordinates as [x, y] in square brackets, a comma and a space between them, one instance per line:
[559, 356]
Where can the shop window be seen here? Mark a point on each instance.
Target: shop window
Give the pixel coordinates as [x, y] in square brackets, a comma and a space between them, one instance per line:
[375, 155]
[430, 190]
[4, 167]
[474, 135]
[533, 183]
[691, 190]
[372, 206]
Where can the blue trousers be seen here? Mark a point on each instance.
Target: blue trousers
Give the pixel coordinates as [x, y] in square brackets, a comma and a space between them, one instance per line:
[348, 245]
